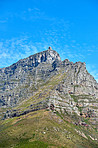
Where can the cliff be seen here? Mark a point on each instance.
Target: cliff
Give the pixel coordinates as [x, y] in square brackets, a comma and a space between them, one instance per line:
[48, 98]
[20, 80]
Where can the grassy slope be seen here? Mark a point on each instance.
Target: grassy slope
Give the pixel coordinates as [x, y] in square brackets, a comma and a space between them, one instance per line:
[41, 129]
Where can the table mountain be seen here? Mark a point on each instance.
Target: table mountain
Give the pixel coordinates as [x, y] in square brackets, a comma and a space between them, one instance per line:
[43, 82]
[20, 80]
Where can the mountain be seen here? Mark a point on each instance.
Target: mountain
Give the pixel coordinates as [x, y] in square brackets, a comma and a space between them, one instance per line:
[21, 79]
[59, 97]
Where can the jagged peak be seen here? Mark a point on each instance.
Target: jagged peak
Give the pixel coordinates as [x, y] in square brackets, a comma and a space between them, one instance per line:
[48, 56]
[80, 63]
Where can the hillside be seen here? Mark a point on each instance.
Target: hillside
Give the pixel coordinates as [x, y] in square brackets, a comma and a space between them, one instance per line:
[46, 102]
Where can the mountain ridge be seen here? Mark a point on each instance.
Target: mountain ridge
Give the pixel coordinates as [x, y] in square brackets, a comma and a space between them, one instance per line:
[44, 98]
[34, 55]
[26, 72]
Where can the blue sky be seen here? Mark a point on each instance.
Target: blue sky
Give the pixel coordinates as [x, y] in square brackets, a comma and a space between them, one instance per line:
[69, 26]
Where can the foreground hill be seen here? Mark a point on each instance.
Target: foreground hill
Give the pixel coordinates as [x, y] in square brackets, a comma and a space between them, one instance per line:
[48, 102]
[45, 129]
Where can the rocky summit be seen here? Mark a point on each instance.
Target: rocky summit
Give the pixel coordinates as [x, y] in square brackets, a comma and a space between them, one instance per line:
[20, 80]
[62, 91]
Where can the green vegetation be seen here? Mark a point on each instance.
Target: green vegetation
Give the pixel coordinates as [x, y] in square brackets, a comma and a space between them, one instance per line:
[76, 85]
[42, 129]
[75, 98]
[24, 143]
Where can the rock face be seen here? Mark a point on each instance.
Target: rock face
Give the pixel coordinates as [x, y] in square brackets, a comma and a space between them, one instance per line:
[47, 96]
[20, 80]
[66, 86]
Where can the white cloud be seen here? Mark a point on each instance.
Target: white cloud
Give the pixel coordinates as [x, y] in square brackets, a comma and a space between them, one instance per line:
[15, 49]
[1, 44]
[3, 21]
[29, 9]
[3, 55]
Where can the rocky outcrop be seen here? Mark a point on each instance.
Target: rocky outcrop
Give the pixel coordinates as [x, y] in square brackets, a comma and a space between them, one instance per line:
[20, 80]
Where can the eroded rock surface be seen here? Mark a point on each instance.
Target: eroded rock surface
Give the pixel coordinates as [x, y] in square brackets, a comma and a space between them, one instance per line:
[69, 87]
[20, 80]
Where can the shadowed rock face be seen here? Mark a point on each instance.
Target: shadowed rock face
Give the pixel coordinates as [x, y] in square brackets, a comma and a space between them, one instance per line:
[20, 80]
